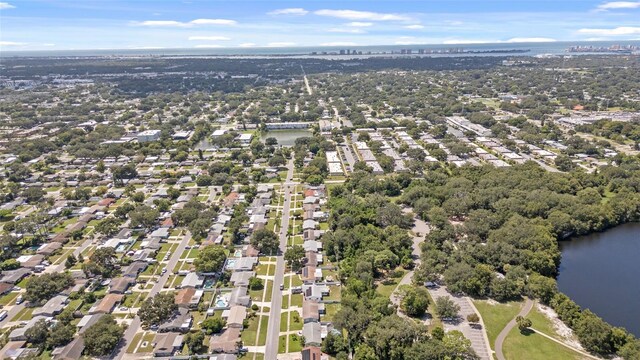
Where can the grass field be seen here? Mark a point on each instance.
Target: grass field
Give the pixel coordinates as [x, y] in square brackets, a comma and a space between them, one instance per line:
[535, 347]
[496, 316]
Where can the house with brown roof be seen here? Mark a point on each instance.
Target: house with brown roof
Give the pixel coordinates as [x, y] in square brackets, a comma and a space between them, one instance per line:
[313, 353]
[183, 297]
[310, 311]
[225, 342]
[107, 304]
[231, 199]
[48, 248]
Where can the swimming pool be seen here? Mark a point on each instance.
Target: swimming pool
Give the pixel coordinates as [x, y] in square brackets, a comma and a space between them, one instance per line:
[238, 253]
[231, 264]
[221, 302]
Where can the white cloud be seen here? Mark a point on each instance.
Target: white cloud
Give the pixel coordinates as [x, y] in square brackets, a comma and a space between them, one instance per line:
[289, 11]
[173, 23]
[281, 44]
[5, 5]
[11, 43]
[347, 31]
[339, 43]
[247, 45]
[49, 44]
[414, 27]
[619, 5]
[362, 15]
[530, 40]
[213, 22]
[208, 46]
[209, 38]
[621, 30]
[359, 24]
[454, 22]
[162, 23]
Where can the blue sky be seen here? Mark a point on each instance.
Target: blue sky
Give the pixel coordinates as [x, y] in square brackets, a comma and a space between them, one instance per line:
[116, 24]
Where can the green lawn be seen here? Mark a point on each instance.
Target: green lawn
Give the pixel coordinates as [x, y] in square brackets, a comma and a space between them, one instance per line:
[535, 347]
[296, 300]
[387, 289]
[248, 335]
[262, 337]
[9, 298]
[294, 343]
[134, 343]
[496, 316]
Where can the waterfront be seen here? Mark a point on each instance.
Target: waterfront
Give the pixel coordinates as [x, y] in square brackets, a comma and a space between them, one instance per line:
[287, 137]
[528, 49]
[600, 272]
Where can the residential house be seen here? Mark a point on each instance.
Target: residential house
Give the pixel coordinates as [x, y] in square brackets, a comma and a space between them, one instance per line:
[71, 351]
[192, 280]
[120, 284]
[313, 353]
[106, 304]
[235, 316]
[180, 322]
[241, 278]
[53, 307]
[15, 276]
[239, 296]
[166, 344]
[312, 332]
[134, 269]
[225, 342]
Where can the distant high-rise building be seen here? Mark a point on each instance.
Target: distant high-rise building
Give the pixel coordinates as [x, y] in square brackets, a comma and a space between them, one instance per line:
[342, 52]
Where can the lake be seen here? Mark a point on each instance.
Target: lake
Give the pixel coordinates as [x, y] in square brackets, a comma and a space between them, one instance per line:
[602, 272]
[287, 137]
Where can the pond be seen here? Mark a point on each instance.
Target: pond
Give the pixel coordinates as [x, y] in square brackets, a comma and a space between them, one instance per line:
[287, 137]
[602, 272]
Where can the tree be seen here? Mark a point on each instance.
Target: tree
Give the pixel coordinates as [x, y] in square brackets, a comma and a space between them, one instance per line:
[101, 338]
[523, 323]
[630, 350]
[101, 262]
[266, 241]
[210, 259]
[295, 256]
[70, 262]
[158, 309]
[256, 283]
[37, 334]
[564, 163]
[195, 342]
[60, 334]
[213, 325]
[594, 334]
[473, 318]
[446, 308]
[415, 301]
[108, 226]
[46, 286]
[144, 216]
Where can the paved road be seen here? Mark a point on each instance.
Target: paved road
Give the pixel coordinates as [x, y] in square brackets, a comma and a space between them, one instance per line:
[273, 327]
[528, 305]
[135, 324]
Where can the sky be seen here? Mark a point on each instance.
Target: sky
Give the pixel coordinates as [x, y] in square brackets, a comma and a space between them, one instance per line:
[150, 24]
